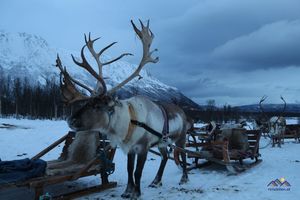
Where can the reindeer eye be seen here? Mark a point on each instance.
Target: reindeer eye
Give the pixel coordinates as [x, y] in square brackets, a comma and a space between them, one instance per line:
[97, 106]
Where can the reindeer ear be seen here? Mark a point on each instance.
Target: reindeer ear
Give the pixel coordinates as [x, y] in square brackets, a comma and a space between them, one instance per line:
[116, 98]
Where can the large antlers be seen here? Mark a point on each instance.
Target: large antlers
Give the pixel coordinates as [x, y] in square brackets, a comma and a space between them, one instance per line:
[69, 90]
[261, 108]
[146, 37]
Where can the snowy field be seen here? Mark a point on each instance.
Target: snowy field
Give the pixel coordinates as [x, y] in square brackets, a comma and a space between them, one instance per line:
[30, 137]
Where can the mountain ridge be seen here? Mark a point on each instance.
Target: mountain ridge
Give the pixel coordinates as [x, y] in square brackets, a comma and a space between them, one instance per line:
[24, 55]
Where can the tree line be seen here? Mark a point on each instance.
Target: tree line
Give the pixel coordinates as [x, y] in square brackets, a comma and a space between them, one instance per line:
[228, 113]
[19, 98]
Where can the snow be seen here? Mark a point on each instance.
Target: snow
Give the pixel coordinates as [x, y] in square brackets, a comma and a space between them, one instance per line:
[207, 183]
[290, 121]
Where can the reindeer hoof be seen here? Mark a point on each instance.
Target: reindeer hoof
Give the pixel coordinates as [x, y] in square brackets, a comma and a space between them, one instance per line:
[126, 195]
[183, 180]
[155, 184]
[135, 195]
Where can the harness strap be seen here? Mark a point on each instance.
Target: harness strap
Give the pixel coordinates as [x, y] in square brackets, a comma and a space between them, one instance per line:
[147, 128]
[131, 126]
[165, 130]
[133, 123]
[166, 120]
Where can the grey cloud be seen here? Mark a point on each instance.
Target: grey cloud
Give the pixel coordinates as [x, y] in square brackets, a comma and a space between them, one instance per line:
[273, 45]
[202, 43]
[212, 23]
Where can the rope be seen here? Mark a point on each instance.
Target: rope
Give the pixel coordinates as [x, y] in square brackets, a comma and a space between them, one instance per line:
[270, 141]
[108, 164]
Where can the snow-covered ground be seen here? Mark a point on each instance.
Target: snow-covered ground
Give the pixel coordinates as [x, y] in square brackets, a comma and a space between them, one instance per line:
[206, 183]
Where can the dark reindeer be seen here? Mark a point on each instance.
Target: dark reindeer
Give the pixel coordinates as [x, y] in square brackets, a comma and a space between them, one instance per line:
[134, 124]
[275, 126]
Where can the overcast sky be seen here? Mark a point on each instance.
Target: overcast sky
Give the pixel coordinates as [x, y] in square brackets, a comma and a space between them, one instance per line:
[232, 51]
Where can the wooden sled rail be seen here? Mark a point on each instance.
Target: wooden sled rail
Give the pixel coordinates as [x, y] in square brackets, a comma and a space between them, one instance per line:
[52, 146]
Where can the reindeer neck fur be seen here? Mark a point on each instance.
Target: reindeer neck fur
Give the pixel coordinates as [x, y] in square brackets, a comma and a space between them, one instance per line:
[146, 111]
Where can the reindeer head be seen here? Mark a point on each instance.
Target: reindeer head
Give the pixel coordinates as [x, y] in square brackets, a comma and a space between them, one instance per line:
[99, 106]
[94, 114]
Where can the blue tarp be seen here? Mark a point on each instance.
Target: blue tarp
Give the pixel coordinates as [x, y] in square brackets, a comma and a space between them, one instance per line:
[21, 170]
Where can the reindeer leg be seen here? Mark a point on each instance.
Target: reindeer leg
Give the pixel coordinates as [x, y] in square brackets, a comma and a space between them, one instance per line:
[279, 141]
[138, 174]
[273, 141]
[157, 180]
[184, 178]
[130, 184]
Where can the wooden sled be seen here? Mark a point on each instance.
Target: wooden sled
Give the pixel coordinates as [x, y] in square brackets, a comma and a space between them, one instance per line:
[219, 153]
[102, 164]
[292, 131]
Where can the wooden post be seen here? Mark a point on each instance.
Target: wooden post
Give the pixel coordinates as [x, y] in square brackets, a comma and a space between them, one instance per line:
[225, 152]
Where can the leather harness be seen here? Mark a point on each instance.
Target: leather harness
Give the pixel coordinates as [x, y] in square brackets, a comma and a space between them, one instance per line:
[131, 126]
[134, 122]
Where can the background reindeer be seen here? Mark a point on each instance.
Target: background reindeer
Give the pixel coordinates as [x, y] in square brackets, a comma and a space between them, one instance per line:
[134, 124]
[275, 126]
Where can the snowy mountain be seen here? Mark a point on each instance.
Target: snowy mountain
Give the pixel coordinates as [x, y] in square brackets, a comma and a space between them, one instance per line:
[25, 55]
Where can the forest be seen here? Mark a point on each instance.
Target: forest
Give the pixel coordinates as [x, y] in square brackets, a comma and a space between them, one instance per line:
[19, 98]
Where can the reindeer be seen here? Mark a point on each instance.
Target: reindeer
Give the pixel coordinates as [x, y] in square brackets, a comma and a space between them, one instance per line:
[275, 126]
[135, 124]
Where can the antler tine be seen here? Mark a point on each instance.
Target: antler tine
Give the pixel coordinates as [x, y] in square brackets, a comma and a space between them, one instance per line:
[90, 45]
[118, 58]
[113, 60]
[260, 106]
[90, 42]
[84, 64]
[146, 37]
[107, 47]
[142, 25]
[96, 56]
[263, 99]
[284, 107]
[69, 92]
